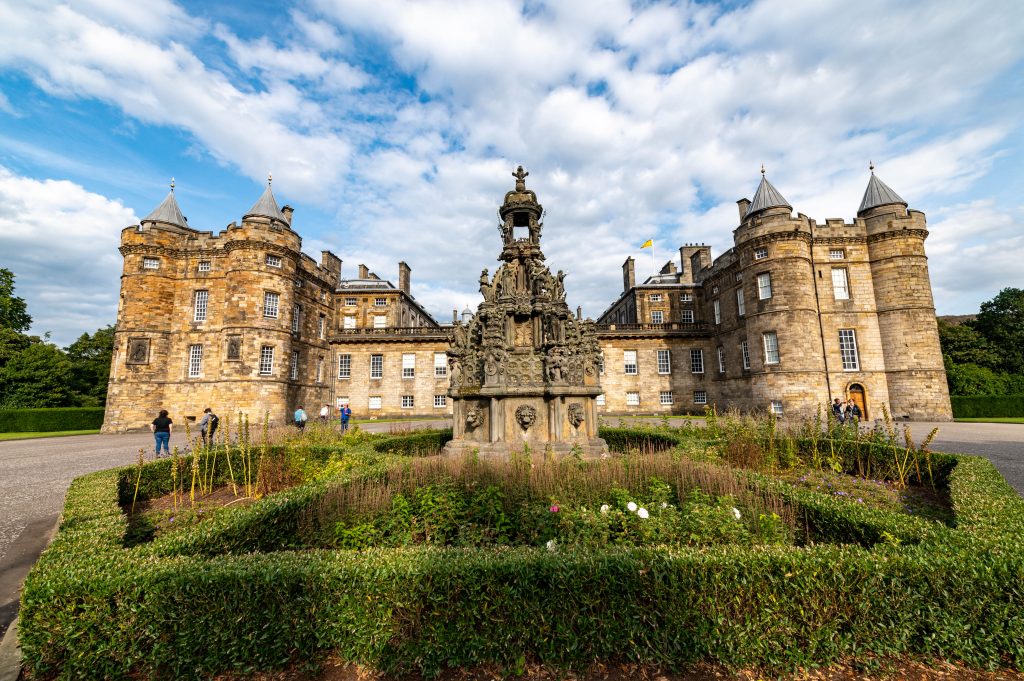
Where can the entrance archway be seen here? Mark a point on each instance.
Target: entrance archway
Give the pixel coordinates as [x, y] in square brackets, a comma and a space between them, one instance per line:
[859, 397]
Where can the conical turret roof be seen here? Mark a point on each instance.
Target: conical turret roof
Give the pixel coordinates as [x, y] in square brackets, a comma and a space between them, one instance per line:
[266, 206]
[168, 211]
[877, 194]
[767, 196]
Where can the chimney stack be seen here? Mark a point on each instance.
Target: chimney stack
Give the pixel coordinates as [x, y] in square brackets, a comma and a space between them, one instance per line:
[744, 204]
[331, 263]
[404, 277]
[669, 268]
[364, 271]
[288, 210]
[628, 274]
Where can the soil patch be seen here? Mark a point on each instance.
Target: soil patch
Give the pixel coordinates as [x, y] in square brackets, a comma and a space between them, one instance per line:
[153, 516]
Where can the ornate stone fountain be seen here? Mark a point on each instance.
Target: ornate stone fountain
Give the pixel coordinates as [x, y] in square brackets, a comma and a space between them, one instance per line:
[524, 371]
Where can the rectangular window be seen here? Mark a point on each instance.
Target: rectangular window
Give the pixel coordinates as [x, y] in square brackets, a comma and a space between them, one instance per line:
[151, 263]
[374, 402]
[376, 366]
[721, 359]
[764, 286]
[741, 304]
[599, 400]
[697, 361]
[204, 265]
[686, 297]
[700, 396]
[273, 260]
[664, 362]
[718, 311]
[629, 362]
[380, 321]
[408, 365]
[321, 326]
[760, 253]
[632, 399]
[840, 285]
[440, 401]
[714, 290]
[836, 254]
[195, 361]
[266, 360]
[380, 302]
[739, 276]
[745, 351]
[687, 316]
[296, 318]
[665, 397]
[408, 402]
[350, 301]
[657, 317]
[293, 368]
[777, 407]
[350, 322]
[848, 349]
[771, 348]
[199, 305]
[600, 364]
[298, 283]
[319, 369]
[270, 304]
[440, 365]
[655, 297]
[344, 366]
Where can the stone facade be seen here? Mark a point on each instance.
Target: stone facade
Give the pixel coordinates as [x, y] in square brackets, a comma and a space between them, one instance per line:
[840, 309]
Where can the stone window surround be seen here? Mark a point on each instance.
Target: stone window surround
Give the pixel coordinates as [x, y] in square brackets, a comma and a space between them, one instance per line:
[408, 401]
[664, 362]
[666, 397]
[685, 297]
[776, 407]
[836, 254]
[273, 260]
[350, 301]
[344, 366]
[632, 398]
[760, 253]
[771, 347]
[745, 351]
[655, 297]
[296, 318]
[380, 302]
[204, 266]
[717, 305]
[764, 285]
[195, 361]
[321, 327]
[200, 305]
[349, 322]
[376, 366]
[741, 304]
[696, 361]
[440, 365]
[700, 396]
[266, 360]
[293, 369]
[374, 402]
[408, 365]
[151, 263]
[271, 304]
[319, 369]
[440, 401]
[721, 359]
[599, 400]
[687, 316]
[657, 317]
[630, 367]
[840, 283]
[848, 349]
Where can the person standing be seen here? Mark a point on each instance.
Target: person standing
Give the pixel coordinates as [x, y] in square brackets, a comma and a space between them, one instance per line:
[300, 419]
[325, 413]
[346, 413]
[161, 429]
[208, 426]
[837, 410]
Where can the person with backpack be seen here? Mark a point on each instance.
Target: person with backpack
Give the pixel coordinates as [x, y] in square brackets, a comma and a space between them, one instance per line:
[208, 426]
[300, 419]
[346, 413]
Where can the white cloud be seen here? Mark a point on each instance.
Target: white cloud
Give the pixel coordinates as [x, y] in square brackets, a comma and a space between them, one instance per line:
[61, 242]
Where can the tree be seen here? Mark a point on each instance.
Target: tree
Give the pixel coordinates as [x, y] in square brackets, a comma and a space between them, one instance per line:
[962, 344]
[1001, 322]
[90, 366]
[13, 310]
[38, 376]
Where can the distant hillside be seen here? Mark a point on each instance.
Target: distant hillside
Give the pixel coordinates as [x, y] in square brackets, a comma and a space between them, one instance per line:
[957, 319]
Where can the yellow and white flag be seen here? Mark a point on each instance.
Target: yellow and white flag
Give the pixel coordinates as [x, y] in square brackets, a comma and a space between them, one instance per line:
[648, 244]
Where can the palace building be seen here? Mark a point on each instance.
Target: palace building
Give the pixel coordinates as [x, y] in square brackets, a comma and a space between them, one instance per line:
[795, 314]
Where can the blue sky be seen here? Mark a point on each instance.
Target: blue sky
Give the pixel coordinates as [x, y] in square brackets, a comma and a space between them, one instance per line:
[392, 127]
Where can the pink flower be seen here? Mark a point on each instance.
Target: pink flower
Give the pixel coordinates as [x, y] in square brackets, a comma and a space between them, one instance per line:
[554, 508]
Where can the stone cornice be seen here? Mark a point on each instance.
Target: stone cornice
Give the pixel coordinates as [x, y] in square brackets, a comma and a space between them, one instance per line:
[791, 235]
[839, 240]
[921, 234]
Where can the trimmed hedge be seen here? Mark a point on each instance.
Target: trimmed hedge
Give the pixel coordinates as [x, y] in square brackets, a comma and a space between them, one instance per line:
[981, 406]
[417, 443]
[93, 609]
[50, 420]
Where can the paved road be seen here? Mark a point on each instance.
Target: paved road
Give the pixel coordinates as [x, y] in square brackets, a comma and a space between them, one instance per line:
[35, 475]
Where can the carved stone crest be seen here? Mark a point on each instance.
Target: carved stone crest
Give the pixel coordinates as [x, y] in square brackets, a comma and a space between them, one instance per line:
[474, 418]
[138, 351]
[576, 414]
[526, 416]
[234, 347]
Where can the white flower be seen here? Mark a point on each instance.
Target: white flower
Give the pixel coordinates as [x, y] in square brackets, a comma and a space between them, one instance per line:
[605, 508]
[643, 513]
[551, 545]
[736, 513]
[664, 504]
[631, 506]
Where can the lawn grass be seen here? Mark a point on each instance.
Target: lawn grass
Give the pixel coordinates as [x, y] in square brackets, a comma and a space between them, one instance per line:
[993, 419]
[56, 433]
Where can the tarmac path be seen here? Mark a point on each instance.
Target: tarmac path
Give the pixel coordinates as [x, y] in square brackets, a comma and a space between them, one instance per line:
[35, 475]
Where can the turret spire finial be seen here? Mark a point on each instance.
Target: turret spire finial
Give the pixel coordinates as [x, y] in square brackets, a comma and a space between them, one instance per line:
[762, 169]
[871, 167]
[270, 179]
[172, 184]
[520, 176]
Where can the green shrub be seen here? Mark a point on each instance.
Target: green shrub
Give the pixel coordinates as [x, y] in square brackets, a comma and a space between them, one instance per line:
[417, 443]
[50, 420]
[981, 406]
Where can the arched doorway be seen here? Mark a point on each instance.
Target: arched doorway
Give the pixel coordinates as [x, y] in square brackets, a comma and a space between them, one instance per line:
[859, 397]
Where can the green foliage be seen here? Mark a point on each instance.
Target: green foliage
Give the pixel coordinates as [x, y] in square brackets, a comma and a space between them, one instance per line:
[962, 344]
[417, 443]
[13, 310]
[1001, 322]
[90, 358]
[988, 405]
[38, 376]
[50, 420]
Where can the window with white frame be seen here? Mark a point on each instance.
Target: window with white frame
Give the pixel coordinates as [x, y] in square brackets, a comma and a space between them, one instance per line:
[204, 266]
[657, 317]
[440, 365]
[741, 304]
[700, 396]
[293, 367]
[273, 260]
[151, 263]
[380, 321]
[266, 360]
[836, 254]
[199, 306]
[321, 326]
[374, 402]
[440, 401]
[632, 399]
[721, 359]
[840, 284]
[664, 362]
[629, 362]
[350, 301]
[599, 400]
[718, 311]
[764, 286]
[760, 253]
[271, 301]
[685, 297]
[848, 349]
[776, 406]
[665, 397]
[408, 365]
[349, 323]
[376, 366]
[697, 361]
[319, 369]
[771, 347]
[296, 318]
[408, 402]
[745, 351]
[655, 297]
[687, 316]
[345, 366]
[195, 361]
[380, 302]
